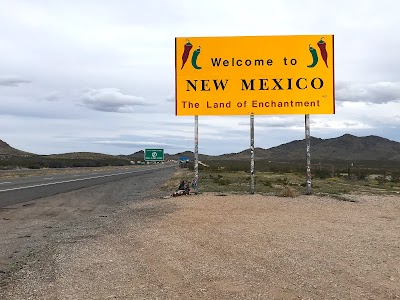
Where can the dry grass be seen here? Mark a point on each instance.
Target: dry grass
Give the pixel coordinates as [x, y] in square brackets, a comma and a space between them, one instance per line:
[287, 184]
[287, 191]
[180, 174]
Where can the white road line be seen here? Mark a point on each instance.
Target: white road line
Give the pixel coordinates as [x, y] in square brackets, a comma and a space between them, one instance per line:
[5, 182]
[66, 181]
[48, 178]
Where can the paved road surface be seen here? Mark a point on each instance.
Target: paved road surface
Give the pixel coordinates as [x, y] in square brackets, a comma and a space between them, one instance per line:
[18, 190]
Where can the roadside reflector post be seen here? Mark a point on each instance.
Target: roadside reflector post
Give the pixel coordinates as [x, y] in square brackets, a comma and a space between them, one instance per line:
[308, 154]
[252, 154]
[196, 155]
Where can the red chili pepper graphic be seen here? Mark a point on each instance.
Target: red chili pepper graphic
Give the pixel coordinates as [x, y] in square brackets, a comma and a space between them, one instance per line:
[322, 48]
[186, 52]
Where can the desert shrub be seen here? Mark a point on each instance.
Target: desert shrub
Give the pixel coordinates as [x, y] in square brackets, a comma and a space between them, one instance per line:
[287, 191]
[267, 183]
[56, 164]
[224, 181]
[395, 177]
[33, 167]
[360, 174]
[283, 181]
[381, 179]
[246, 178]
[220, 180]
[322, 174]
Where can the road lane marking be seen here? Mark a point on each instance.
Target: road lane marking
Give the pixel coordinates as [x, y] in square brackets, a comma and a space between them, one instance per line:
[48, 178]
[5, 182]
[72, 180]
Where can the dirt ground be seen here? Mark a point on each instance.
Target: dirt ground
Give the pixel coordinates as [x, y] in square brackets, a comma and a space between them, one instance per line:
[212, 246]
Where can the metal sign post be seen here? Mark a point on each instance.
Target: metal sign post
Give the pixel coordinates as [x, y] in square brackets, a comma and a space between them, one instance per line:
[252, 154]
[196, 154]
[308, 154]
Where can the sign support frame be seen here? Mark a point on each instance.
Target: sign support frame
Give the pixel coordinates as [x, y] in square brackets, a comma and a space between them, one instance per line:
[252, 154]
[308, 154]
[196, 155]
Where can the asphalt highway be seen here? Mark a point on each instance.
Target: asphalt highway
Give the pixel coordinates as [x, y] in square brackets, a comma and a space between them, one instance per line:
[19, 190]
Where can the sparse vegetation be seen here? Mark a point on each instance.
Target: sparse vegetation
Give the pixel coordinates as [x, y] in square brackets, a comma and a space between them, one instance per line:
[322, 174]
[181, 174]
[395, 177]
[38, 162]
[234, 176]
[287, 191]
[231, 173]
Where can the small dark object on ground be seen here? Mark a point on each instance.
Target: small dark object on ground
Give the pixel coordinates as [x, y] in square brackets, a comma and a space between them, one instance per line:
[183, 189]
[180, 193]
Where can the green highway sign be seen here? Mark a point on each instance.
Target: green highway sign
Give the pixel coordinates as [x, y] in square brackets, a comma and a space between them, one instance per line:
[154, 154]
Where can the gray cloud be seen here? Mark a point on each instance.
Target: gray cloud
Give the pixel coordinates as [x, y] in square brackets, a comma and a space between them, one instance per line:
[51, 97]
[276, 122]
[379, 92]
[142, 144]
[110, 100]
[12, 81]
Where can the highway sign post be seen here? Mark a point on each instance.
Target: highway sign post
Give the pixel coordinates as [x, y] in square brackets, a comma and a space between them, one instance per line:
[154, 154]
[255, 75]
[184, 162]
[196, 155]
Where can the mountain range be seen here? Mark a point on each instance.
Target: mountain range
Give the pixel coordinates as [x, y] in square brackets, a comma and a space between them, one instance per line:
[347, 147]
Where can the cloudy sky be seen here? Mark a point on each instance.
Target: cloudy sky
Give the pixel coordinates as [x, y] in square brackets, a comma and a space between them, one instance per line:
[99, 75]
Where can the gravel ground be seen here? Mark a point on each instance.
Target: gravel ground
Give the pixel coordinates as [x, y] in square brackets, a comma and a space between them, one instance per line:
[225, 247]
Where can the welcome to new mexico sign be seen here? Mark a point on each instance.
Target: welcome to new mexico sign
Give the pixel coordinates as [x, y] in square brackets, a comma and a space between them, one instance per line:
[257, 75]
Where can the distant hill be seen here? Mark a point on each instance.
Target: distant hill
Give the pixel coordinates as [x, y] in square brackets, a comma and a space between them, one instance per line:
[6, 150]
[346, 147]
[134, 156]
[11, 158]
[188, 154]
[81, 155]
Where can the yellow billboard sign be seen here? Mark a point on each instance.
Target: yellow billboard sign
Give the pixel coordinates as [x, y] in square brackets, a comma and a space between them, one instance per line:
[258, 75]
